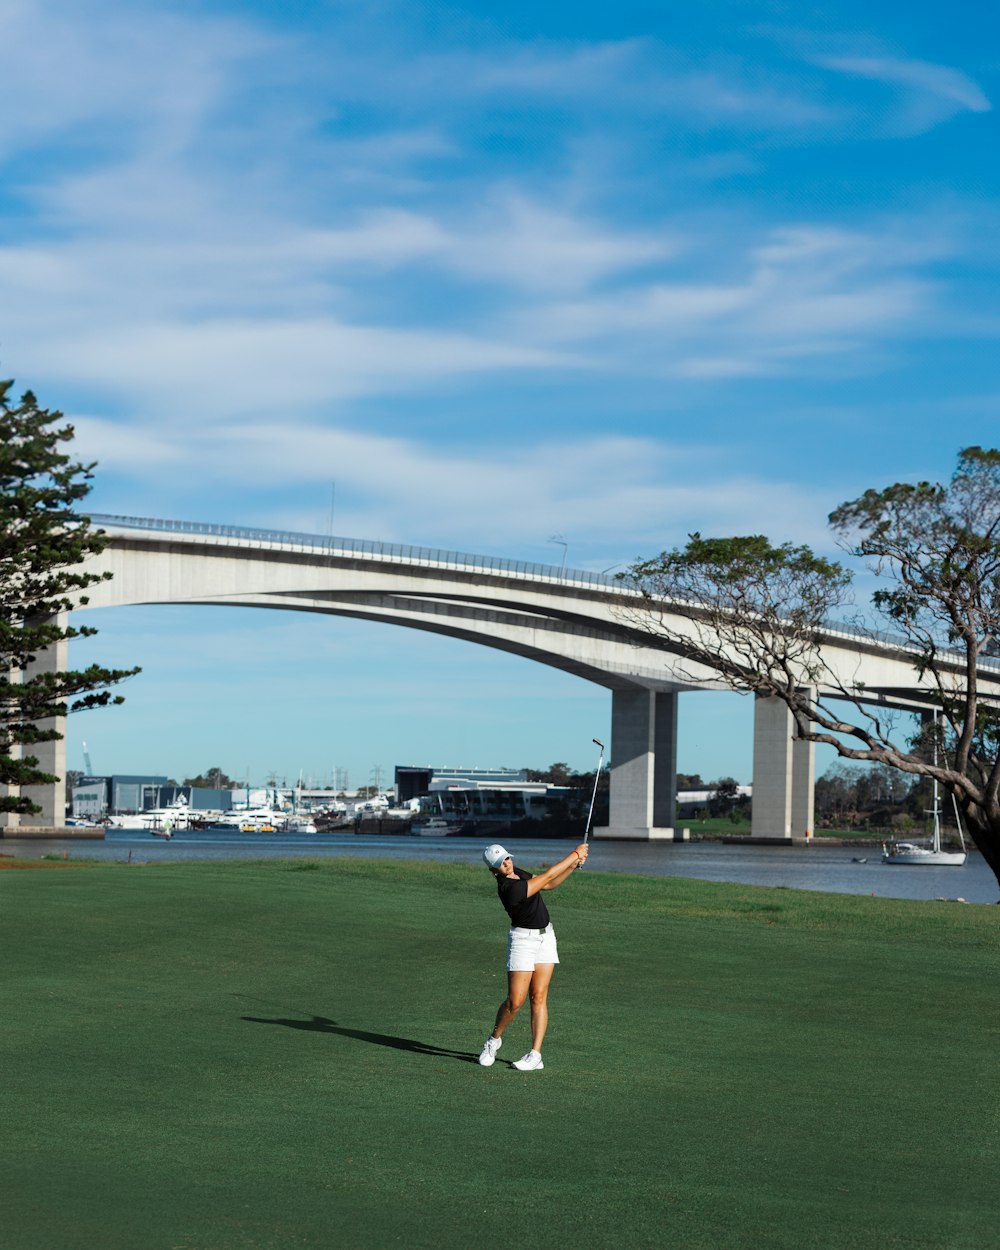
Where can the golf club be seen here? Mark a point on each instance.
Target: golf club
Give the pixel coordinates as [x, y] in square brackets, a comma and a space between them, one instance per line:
[593, 797]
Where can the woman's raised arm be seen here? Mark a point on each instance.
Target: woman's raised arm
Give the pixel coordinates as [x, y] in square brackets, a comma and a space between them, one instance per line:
[557, 874]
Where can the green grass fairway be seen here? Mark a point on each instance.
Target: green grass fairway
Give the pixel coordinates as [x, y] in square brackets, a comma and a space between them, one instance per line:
[269, 1055]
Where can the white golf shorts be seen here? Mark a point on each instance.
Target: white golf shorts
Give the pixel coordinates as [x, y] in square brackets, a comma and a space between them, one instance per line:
[528, 947]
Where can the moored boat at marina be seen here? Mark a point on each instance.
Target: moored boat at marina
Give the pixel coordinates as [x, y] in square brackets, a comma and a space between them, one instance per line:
[176, 815]
[261, 819]
[435, 827]
[298, 824]
[933, 856]
[265, 819]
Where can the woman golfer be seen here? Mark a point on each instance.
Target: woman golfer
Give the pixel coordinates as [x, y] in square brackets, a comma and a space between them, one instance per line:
[531, 947]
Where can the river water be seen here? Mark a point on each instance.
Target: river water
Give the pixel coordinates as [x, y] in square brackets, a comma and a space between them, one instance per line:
[834, 869]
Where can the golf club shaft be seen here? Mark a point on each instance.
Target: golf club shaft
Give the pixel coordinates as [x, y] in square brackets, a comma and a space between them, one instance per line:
[593, 796]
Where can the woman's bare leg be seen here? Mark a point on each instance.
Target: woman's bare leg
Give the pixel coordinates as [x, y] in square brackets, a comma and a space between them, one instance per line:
[540, 979]
[518, 984]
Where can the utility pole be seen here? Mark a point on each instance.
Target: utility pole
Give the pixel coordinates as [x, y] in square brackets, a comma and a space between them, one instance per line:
[558, 538]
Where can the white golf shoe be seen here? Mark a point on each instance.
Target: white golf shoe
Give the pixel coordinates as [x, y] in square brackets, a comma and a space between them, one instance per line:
[532, 1062]
[489, 1052]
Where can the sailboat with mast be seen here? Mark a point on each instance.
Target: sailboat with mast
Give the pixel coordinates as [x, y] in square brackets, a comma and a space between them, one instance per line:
[935, 855]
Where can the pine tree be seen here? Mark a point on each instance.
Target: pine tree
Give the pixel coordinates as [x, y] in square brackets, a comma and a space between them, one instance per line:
[43, 543]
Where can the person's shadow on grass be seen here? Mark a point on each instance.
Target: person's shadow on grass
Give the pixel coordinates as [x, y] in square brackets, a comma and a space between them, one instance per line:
[320, 1024]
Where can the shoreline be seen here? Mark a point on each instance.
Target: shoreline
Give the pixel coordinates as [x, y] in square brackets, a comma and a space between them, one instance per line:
[96, 833]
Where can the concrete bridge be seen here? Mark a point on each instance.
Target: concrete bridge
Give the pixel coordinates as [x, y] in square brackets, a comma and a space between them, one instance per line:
[571, 620]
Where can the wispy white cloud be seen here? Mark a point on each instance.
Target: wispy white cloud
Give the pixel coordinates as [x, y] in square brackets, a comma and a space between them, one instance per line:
[224, 367]
[516, 241]
[143, 450]
[930, 93]
[620, 494]
[800, 295]
[950, 85]
[144, 73]
[646, 76]
[539, 68]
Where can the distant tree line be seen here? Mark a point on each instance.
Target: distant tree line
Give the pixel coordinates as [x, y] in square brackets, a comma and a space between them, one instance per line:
[847, 795]
[211, 779]
[723, 798]
[850, 796]
[576, 805]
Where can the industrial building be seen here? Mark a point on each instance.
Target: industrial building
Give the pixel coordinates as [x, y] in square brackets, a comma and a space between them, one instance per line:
[414, 781]
[480, 796]
[93, 798]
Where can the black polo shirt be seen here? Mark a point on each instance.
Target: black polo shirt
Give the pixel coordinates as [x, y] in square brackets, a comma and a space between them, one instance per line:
[524, 912]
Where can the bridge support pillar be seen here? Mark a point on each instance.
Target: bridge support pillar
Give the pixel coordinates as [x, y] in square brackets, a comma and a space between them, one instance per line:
[51, 756]
[643, 765]
[784, 774]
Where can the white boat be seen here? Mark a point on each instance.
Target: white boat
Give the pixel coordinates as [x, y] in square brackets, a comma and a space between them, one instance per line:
[252, 819]
[434, 827]
[932, 856]
[913, 853]
[176, 815]
[265, 820]
[299, 824]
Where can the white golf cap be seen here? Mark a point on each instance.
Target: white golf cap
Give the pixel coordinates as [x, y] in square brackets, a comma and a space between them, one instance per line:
[495, 854]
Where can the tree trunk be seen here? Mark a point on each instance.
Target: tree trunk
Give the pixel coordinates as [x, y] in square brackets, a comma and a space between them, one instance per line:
[987, 839]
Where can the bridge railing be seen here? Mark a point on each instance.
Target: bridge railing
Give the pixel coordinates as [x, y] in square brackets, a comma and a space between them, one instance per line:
[361, 547]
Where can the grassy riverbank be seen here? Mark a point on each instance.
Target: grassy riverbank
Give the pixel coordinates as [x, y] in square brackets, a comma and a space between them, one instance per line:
[281, 1054]
[718, 827]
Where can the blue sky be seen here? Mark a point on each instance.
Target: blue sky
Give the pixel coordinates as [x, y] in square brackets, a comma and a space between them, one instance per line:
[475, 277]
